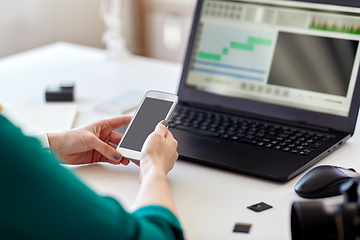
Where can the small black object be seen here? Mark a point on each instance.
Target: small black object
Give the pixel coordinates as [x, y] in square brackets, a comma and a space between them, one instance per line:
[62, 93]
[323, 181]
[259, 207]
[242, 227]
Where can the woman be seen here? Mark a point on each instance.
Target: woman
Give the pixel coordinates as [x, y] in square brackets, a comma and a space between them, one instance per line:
[42, 200]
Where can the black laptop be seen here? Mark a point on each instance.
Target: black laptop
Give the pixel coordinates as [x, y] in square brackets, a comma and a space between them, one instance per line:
[268, 87]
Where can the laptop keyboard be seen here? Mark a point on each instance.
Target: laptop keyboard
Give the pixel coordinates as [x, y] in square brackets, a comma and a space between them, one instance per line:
[258, 133]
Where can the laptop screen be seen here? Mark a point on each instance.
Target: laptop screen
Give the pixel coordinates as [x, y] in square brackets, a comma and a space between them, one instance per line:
[295, 54]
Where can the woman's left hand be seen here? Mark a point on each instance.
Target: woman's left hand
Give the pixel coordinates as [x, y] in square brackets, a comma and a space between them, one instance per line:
[90, 144]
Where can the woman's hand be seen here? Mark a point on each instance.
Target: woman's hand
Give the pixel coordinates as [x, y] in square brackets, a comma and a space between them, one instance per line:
[159, 151]
[90, 144]
[158, 156]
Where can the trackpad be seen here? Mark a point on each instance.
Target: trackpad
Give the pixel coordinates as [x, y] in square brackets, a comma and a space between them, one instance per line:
[194, 144]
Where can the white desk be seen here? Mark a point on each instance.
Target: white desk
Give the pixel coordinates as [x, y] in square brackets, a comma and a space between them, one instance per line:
[210, 201]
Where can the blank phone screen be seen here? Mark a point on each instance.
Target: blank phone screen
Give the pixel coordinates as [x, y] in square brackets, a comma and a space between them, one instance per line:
[151, 112]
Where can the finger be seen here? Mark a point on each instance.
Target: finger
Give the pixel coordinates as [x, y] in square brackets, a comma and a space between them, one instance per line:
[118, 122]
[162, 127]
[115, 137]
[169, 135]
[125, 161]
[104, 159]
[106, 150]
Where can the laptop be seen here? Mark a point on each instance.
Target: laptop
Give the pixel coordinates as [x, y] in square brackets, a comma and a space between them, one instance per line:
[268, 88]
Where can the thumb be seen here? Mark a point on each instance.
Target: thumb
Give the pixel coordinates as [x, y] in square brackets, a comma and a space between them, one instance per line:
[107, 151]
[162, 127]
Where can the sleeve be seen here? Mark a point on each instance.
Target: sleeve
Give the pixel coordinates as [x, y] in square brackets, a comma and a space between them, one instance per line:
[42, 200]
[43, 138]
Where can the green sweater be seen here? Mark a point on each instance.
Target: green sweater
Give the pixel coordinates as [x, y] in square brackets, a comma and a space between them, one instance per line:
[40, 199]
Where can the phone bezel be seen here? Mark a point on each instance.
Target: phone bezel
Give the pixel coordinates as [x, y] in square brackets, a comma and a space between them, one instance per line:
[133, 154]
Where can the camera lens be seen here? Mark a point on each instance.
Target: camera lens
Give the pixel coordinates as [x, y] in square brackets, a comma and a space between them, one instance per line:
[310, 220]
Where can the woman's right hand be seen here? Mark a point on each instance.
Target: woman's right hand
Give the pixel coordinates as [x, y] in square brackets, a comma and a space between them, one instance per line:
[159, 152]
[158, 156]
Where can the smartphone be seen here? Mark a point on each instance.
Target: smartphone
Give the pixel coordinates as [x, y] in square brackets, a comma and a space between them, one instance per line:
[154, 107]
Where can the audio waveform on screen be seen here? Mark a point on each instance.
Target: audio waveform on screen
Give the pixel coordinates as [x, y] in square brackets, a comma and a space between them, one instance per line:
[335, 25]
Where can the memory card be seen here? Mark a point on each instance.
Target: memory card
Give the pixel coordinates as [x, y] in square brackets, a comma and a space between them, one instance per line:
[259, 207]
[242, 227]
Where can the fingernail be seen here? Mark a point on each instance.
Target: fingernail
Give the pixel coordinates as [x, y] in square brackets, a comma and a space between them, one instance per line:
[165, 123]
[117, 156]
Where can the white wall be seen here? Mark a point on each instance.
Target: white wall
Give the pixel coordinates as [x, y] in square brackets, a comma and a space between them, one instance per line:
[26, 24]
[167, 27]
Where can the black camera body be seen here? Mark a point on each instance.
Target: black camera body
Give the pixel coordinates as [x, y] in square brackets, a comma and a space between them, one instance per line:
[314, 220]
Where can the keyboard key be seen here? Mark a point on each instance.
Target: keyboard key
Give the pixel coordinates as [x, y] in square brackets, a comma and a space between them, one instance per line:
[316, 145]
[221, 131]
[261, 144]
[309, 150]
[278, 147]
[235, 138]
[225, 136]
[286, 149]
[231, 133]
[289, 132]
[262, 139]
[295, 151]
[244, 140]
[306, 152]
[284, 135]
[249, 137]
[274, 138]
[203, 132]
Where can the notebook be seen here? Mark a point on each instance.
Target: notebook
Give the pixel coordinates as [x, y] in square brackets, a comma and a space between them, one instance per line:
[39, 118]
[268, 88]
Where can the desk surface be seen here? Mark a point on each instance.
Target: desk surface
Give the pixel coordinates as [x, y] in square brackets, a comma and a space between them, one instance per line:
[210, 201]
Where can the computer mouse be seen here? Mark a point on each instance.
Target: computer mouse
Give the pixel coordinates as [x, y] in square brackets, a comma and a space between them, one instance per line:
[323, 181]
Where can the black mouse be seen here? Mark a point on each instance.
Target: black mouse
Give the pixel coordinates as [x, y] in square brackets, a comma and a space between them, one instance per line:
[323, 181]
